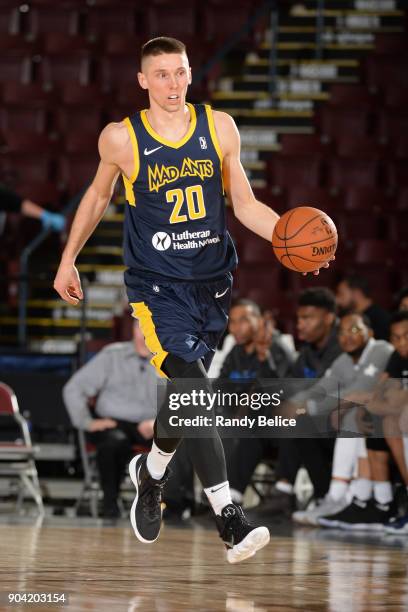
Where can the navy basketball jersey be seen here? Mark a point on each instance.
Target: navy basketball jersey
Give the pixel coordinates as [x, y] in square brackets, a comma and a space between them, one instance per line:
[175, 218]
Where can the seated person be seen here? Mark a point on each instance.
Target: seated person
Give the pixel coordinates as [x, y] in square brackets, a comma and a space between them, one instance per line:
[125, 386]
[259, 353]
[355, 371]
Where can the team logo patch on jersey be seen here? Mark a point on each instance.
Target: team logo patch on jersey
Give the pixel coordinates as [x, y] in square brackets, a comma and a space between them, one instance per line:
[162, 175]
[203, 142]
[161, 241]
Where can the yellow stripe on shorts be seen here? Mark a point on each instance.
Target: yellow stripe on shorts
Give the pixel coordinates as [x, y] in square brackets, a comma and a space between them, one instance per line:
[142, 312]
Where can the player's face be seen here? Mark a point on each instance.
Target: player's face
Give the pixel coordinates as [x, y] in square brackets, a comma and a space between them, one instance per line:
[313, 323]
[243, 324]
[166, 77]
[399, 338]
[353, 334]
[403, 304]
[344, 297]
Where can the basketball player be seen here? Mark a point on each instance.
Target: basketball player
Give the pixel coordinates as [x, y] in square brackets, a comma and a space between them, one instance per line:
[175, 159]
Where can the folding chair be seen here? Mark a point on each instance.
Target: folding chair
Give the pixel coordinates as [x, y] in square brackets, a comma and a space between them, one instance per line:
[91, 491]
[17, 456]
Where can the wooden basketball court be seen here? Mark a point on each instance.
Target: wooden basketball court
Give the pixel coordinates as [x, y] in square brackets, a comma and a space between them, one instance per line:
[106, 568]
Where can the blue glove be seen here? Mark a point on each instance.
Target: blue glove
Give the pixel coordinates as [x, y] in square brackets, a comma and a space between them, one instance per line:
[53, 221]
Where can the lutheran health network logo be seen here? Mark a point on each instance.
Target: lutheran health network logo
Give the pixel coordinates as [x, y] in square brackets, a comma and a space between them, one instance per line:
[184, 240]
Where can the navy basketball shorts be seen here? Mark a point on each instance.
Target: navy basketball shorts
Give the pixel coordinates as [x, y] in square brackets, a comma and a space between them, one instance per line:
[184, 318]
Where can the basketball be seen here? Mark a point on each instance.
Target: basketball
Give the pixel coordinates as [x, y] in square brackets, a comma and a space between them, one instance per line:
[304, 239]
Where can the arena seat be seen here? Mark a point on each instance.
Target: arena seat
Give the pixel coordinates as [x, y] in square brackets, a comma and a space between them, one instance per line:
[302, 144]
[30, 142]
[33, 94]
[74, 68]
[251, 278]
[80, 142]
[372, 251]
[333, 121]
[87, 118]
[117, 18]
[29, 167]
[55, 43]
[18, 118]
[118, 71]
[397, 174]
[255, 250]
[41, 192]
[366, 199]
[122, 43]
[77, 171]
[348, 145]
[83, 95]
[396, 97]
[222, 20]
[356, 172]
[353, 95]
[44, 19]
[15, 66]
[391, 45]
[382, 72]
[284, 171]
[317, 197]
[180, 21]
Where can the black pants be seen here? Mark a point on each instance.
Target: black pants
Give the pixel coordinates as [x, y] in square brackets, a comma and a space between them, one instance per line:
[248, 453]
[314, 452]
[113, 452]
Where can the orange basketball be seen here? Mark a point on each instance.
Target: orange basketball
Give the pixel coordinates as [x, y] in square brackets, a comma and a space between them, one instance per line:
[304, 239]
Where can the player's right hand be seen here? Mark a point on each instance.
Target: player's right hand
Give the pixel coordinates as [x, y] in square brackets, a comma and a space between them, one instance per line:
[68, 284]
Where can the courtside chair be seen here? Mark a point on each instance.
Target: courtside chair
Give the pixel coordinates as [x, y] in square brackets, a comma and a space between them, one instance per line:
[17, 456]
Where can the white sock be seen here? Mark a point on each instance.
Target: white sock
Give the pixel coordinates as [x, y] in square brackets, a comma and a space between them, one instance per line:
[157, 461]
[219, 496]
[284, 487]
[345, 457]
[362, 488]
[338, 489]
[383, 492]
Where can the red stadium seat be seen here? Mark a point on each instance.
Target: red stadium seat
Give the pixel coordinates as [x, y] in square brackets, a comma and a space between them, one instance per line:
[118, 18]
[178, 21]
[398, 224]
[366, 199]
[29, 167]
[347, 145]
[62, 42]
[87, 118]
[312, 196]
[302, 144]
[255, 251]
[44, 19]
[119, 71]
[15, 66]
[43, 193]
[284, 171]
[402, 199]
[32, 94]
[81, 142]
[259, 278]
[30, 142]
[120, 43]
[15, 118]
[382, 72]
[371, 251]
[81, 95]
[396, 97]
[133, 97]
[394, 44]
[74, 68]
[222, 20]
[397, 174]
[10, 20]
[346, 171]
[392, 124]
[352, 95]
[334, 121]
[77, 171]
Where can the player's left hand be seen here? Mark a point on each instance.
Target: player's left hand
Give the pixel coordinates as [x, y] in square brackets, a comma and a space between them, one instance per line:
[316, 272]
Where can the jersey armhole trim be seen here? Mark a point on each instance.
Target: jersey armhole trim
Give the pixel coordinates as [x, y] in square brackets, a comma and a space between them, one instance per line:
[211, 127]
[135, 148]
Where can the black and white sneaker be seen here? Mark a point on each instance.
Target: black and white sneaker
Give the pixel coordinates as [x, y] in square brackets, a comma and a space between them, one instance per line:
[360, 516]
[241, 539]
[146, 511]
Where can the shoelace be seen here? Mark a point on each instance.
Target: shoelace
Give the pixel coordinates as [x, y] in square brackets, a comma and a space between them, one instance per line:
[151, 499]
[241, 523]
